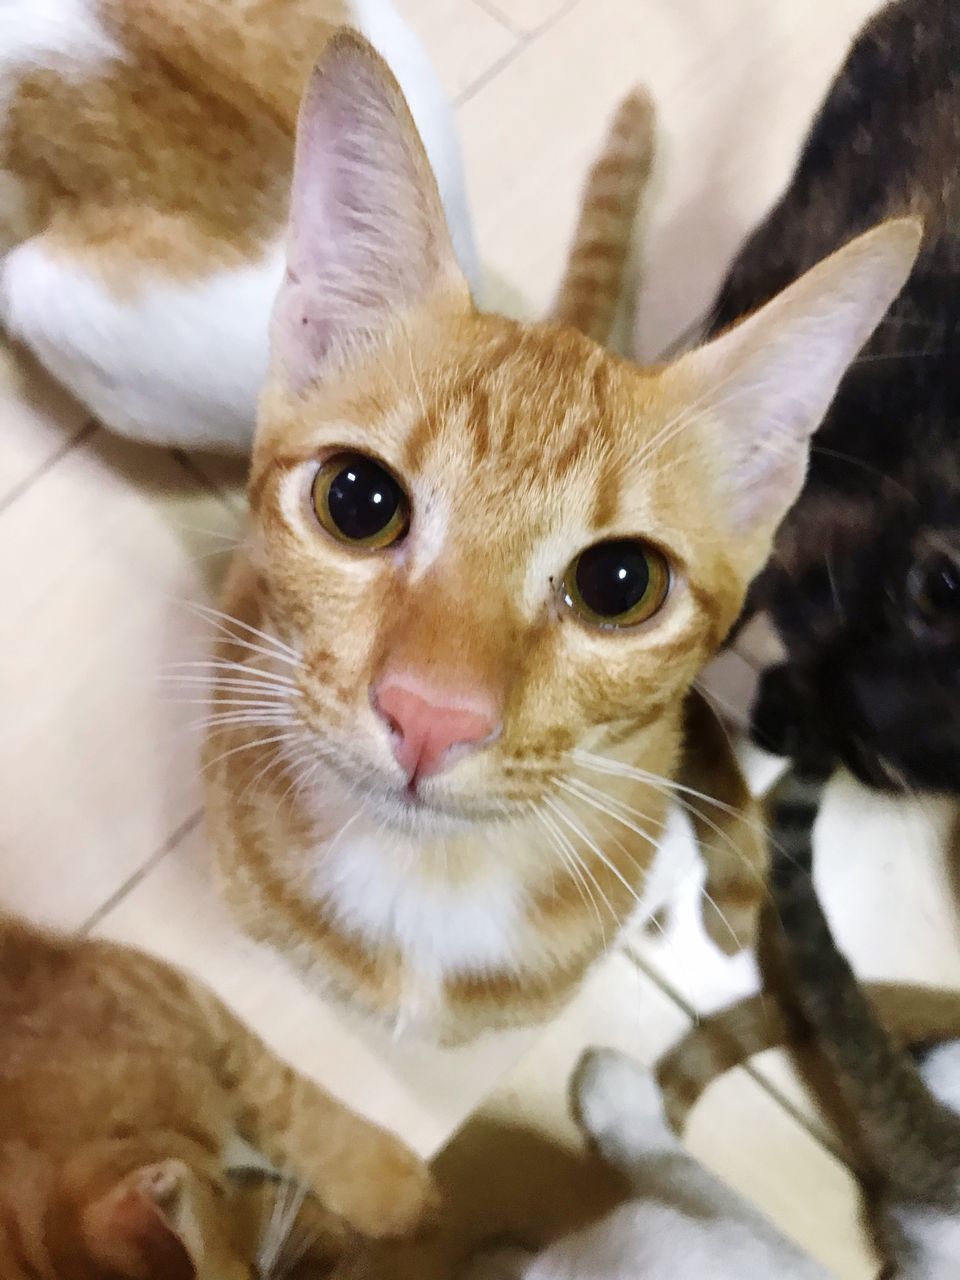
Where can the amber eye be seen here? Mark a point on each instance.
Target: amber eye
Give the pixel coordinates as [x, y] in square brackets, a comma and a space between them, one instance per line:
[617, 584]
[359, 502]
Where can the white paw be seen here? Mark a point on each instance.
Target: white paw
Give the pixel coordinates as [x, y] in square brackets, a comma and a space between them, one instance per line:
[612, 1093]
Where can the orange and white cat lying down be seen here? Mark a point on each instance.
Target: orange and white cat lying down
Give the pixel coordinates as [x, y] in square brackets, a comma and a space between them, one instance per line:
[485, 562]
[145, 153]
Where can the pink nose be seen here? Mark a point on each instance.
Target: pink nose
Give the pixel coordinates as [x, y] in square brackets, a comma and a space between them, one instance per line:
[427, 729]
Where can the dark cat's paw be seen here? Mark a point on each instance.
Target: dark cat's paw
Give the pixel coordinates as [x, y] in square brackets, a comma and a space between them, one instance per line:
[776, 720]
[783, 720]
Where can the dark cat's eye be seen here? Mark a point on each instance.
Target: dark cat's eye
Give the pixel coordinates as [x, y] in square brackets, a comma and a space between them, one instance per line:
[359, 502]
[935, 588]
[620, 583]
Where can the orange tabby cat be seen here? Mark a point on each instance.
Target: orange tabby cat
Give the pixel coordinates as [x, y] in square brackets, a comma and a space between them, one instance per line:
[145, 156]
[486, 561]
[123, 1086]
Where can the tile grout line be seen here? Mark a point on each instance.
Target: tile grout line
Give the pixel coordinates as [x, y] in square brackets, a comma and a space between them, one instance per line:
[492, 11]
[79, 437]
[819, 1137]
[184, 460]
[524, 40]
[185, 828]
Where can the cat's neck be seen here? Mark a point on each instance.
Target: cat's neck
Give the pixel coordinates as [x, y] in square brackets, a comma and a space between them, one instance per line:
[438, 926]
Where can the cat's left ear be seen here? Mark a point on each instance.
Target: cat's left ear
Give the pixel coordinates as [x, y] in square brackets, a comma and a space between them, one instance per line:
[367, 241]
[756, 394]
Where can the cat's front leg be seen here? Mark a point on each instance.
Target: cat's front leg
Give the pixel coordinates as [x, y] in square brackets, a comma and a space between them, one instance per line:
[357, 1170]
[618, 1105]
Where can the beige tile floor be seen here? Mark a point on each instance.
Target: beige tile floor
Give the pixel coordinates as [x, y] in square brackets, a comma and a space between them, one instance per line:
[101, 543]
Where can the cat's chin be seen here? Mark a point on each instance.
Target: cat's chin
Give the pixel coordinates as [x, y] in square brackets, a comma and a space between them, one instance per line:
[422, 815]
[413, 814]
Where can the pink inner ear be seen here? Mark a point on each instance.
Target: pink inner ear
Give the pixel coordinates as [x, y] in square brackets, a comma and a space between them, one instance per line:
[302, 333]
[367, 237]
[128, 1229]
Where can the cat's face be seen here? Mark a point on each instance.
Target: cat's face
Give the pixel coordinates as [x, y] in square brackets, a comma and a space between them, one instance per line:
[869, 609]
[491, 547]
[531, 567]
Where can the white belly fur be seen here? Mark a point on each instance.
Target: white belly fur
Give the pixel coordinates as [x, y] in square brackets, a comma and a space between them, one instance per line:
[175, 363]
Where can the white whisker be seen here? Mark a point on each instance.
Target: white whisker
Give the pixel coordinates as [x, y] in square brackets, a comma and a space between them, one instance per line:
[249, 746]
[219, 617]
[244, 669]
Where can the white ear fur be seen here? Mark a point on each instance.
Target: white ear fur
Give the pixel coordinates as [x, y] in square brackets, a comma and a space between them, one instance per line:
[762, 388]
[367, 238]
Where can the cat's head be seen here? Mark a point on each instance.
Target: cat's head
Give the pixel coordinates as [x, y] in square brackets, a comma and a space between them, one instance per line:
[158, 1221]
[163, 1220]
[492, 547]
[867, 600]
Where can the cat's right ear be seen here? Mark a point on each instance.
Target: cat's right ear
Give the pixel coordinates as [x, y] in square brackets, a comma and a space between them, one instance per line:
[367, 241]
[757, 393]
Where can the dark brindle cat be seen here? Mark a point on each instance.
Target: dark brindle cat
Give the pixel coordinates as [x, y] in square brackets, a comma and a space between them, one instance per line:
[864, 587]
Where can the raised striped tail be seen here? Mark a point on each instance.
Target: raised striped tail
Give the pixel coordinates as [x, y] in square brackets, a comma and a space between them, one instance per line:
[590, 289]
[909, 1138]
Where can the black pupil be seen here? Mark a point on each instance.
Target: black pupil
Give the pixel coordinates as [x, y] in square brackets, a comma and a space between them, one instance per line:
[613, 577]
[942, 586]
[363, 499]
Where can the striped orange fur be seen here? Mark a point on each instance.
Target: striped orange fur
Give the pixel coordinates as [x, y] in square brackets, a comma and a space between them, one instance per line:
[125, 1086]
[476, 893]
[594, 274]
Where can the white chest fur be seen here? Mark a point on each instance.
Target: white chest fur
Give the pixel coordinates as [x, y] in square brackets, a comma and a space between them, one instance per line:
[374, 886]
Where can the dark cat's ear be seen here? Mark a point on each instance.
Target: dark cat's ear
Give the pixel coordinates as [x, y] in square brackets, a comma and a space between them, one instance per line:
[759, 391]
[142, 1226]
[367, 240]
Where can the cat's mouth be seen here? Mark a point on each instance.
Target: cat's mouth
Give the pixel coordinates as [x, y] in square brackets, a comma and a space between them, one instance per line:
[415, 808]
